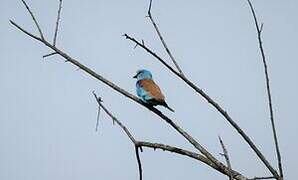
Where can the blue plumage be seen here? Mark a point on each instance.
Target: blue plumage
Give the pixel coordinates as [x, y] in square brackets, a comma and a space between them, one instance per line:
[148, 91]
[142, 93]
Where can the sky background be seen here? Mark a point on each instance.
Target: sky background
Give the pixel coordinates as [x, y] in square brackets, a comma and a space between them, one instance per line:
[48, 112]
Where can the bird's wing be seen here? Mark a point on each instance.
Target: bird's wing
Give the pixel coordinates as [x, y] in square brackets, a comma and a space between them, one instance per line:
[152, 89]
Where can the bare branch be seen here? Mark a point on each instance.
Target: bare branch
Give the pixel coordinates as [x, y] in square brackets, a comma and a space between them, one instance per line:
[33, 17]
[24, 31]
[190, 154]
[152, 53]
[168, 148]
[269, 177]
[162, 39]
[150, 5]
[139, 162]
[48, 55]
[97, 119]
[188, 137]
[226, 155]
[259, 32]
[261, 28]
[57, 22]
[98, 99]
[213, 103]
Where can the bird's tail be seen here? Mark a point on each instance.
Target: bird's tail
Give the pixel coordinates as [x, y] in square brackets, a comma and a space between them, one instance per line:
[166, 105]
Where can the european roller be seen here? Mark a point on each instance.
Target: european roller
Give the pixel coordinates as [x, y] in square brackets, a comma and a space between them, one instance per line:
[148, 91]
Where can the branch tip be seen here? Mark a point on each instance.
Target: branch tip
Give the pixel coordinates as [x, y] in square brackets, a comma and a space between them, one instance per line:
[57, 23]
[278, 155]
[34, 19]
[162, 39]
[149, 9]
[50, 54]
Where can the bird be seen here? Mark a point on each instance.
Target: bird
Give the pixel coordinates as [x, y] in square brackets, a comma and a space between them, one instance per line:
[148, 91]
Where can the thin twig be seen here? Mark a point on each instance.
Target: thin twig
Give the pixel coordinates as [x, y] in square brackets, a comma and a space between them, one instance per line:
[57, 22]
[226, 155]
[213, 103]
[26, 32]
[98, 99]
[193, 155]
[48, 55]
[162, 39]
[33, 17]
[256, 178]
[189, 138]
[139, 162]
[97, 119]
[259, 32]
[168, 148]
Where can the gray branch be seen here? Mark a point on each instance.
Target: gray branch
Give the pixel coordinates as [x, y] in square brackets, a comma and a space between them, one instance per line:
[226, 155]
[57, 22]
[187, 136]
[162, 39]
[257, 178]
[209, 158]
[213, 103]
[140, 144]
[259, 33]
[139, 161]
[33, 18]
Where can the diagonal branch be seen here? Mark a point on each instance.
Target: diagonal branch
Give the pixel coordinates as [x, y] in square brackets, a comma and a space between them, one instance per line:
[259, 32]
[140, 144]
[187, 136]
[210, 158]
[98, 99]
[257, 178]
[226, 155]
[219, 166]
[24, 31]
[50, 54]
[180, 151]
[33, 17]
[98, 113]
[162, 39]
[213, 103]
[57, 22]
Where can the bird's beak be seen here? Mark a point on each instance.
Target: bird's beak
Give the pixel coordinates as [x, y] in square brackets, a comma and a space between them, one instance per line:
[135, 76]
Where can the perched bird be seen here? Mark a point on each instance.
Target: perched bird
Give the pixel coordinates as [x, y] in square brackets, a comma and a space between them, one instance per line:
[148, 91]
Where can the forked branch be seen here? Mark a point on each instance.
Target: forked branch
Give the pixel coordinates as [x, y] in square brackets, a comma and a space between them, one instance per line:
[207, 157]
[162, 39]
[213, 103]
[141, 144]
[114, 119]
[182, 132]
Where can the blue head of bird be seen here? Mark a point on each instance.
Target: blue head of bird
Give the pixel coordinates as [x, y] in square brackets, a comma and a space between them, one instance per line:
[143, 74]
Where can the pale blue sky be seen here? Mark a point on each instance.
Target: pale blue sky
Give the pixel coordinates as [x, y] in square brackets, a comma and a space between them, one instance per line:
[48, 113]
